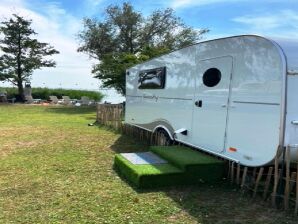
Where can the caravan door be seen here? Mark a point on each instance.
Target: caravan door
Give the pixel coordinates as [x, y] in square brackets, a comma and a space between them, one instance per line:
[211, 103]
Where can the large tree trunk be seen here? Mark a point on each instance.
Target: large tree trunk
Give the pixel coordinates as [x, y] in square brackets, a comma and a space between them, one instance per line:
[21, 96]
[19, 70]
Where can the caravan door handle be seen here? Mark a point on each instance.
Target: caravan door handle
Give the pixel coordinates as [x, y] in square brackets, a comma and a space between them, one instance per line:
[199, 103]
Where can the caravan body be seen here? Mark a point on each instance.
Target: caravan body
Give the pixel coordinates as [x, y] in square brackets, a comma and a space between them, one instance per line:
[234, 97]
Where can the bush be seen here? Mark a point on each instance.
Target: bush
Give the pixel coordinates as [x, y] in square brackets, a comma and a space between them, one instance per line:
[45, 93]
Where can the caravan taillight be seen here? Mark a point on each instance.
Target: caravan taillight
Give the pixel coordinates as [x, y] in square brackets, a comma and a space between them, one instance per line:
[231, 149]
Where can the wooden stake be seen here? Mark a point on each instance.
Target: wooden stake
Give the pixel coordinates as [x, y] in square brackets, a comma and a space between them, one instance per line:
[287, 187]
[229, 170]
[232, 172]
[244, 177]
[267, 183]
[257, 181]
[238, 174]
[276, 179]
[292, 181]
[296, 206]
[254, 171]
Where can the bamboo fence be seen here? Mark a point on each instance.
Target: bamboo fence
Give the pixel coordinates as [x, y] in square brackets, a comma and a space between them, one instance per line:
[276, 183]
[110, 115]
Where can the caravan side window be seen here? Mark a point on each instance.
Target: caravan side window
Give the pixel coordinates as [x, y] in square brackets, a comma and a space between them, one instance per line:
[152, 78]
[211, 77]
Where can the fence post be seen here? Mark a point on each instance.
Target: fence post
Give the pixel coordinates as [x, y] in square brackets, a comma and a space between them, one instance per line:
[260, 174]
[296, 206]
[287, 187]
[276, 178]
[232, 172]
[267, 183]
[244, 177]
[238, 174]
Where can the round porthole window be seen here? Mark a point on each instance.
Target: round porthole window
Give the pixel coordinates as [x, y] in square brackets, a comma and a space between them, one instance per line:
[211, 77]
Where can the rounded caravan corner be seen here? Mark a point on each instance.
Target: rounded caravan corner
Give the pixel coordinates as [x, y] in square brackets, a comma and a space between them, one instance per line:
[283, 101]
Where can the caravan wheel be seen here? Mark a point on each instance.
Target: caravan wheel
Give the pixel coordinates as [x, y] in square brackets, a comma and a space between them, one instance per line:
[163, 138]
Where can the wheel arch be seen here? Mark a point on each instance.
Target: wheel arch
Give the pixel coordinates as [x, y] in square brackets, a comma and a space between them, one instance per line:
[162, 127]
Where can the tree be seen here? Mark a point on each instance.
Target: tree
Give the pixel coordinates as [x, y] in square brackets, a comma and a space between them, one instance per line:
[22, 54]
[125, 37]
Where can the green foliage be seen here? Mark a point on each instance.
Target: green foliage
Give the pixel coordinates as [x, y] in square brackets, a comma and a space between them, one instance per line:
[113, 67]
[44, 93]
[22, 54]
[125, 37]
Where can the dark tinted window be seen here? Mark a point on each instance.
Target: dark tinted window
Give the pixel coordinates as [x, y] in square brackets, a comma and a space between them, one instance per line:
[211, 77]
[152, 79]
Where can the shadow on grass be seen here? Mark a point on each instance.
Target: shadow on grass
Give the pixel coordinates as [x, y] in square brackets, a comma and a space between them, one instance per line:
[71, 110]
[219, 202]
[126, 143]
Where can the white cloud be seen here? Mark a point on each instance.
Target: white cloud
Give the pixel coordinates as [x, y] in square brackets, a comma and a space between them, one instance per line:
[281, 24]
[188, 3]
[93, 7]
[57, 27]
[94, 2]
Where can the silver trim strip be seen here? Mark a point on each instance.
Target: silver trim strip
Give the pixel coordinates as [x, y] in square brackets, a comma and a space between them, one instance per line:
[133, 96]
[138, 126]
[167, 130]
[174, 98]
[235, 101]
[159, 126]
[160, 97]
[228, 104]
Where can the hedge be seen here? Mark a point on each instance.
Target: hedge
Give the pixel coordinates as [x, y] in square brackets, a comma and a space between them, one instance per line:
[44, 93]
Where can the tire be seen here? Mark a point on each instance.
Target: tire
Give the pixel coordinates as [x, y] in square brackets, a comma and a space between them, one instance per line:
[163, 138]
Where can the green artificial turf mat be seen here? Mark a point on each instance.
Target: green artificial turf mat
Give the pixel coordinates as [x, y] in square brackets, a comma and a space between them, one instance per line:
[148, 175]
[198, 166]
[185, 166]
[184, 156]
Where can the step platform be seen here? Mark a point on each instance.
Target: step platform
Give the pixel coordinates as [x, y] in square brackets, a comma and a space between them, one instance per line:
[168, 165]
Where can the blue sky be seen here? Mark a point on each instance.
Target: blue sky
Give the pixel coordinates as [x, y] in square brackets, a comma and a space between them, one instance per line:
[57, 22]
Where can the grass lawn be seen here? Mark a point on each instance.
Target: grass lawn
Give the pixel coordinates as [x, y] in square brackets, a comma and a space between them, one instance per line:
[56, 169]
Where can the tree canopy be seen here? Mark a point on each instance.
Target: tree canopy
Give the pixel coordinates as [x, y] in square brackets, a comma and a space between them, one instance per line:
[125, 37]
[21, 54]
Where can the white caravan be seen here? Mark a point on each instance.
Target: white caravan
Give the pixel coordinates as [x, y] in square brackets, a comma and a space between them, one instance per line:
[235, 97]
